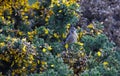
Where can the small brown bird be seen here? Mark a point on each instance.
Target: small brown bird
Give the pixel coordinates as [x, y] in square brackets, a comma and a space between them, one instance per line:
[72, 36]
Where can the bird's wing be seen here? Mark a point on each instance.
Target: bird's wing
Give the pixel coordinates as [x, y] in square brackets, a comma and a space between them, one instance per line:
[69, 39]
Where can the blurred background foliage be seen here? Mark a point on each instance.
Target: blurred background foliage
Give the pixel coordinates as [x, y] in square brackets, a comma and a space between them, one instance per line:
[31, 37]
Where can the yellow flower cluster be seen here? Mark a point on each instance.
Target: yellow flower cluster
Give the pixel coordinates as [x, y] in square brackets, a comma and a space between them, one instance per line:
[10, 6]
[49, 48]
[94, 30]
[32, 34]
[22, 57]
[68, 26]
[69, 2]
[36, 5]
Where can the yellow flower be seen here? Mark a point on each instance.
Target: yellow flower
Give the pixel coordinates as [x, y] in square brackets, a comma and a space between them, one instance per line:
[50, 12]
[91, 26]
[79, 43]
[46, 19]
[24, 48]
[56, 35]
[83, 54]
[98, 33]
[81, 48]
[23, 67]
[14, 39]
[63, 35]
[30, 61]
[36, 5]
[29, 33]
[99, 53]
[20, 33]
[92, 31]
[35, 32]
[25, 9]
[68, 25]
[8, 22]
[51, 5]
[49, 48]
[31, 57]
[105, 63]
[58, 4]
[55, 1]
[80, 35]
[0, 13]
[46, 31]
[63, 1]
[67, 4]
[43, 62]
[38, 61]
[30, 37]
[26, 17]
[24, 39]
[3, 18]
[52, 65]
[66, 46]
[8, 38]
[2, 44]
[44, 50]
[60, 11]
[22, 13]
[27, 22]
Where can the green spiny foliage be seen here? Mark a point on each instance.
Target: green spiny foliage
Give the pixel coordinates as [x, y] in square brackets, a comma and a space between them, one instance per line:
[94, 43]
[32, 35]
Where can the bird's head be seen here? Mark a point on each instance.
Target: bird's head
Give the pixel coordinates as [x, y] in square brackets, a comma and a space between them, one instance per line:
[73, 30]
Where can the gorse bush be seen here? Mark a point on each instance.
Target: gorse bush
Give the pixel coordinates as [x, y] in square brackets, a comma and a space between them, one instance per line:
[17, 56]
[32, 35]
[94, 43]
[30, 30]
